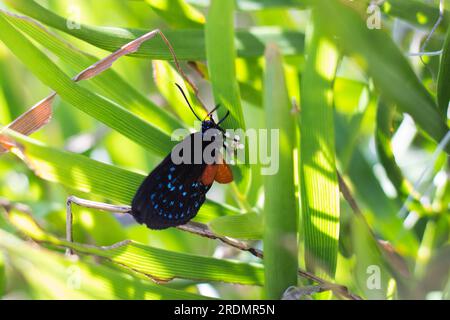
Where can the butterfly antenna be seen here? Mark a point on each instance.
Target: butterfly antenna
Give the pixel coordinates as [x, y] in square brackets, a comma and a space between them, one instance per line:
[187, 101]
[223, 119]
[212, 111]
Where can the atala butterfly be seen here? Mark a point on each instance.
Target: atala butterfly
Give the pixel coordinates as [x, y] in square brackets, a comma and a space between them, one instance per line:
[173, 192]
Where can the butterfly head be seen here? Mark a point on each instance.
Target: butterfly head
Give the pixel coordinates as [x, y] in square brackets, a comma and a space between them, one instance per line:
[210, 124]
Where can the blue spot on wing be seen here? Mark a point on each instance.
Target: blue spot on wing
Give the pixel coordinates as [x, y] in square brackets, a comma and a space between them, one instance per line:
[171, 195]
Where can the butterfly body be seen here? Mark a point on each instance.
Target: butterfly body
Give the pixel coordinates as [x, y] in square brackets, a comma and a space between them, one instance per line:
[173, 193]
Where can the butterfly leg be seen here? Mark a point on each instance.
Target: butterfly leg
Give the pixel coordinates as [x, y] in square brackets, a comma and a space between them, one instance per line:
[91, 205]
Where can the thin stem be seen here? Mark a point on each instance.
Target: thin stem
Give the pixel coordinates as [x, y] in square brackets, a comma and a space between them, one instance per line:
[427, 40]
[429, 54]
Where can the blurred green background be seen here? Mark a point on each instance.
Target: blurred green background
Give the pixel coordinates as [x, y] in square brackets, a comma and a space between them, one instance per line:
[344, 93]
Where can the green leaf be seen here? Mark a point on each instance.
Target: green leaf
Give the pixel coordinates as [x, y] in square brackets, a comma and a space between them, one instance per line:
[178, 13]
[443, 90]
[188, 44]
[98, 227]
[92, 177]
[382, 211]
[370, 272]
[361, 118]
[416, 12]
[446, 291]
[251, 5]
[240, 226]
[2, 274]
[319, 183]
[221, 56]
[384, 61]
[94, 105]
[165, 78]
[383, 136]
[280, 205]
[109, 83]
[427, 246]
[157, 263]
[53, 276]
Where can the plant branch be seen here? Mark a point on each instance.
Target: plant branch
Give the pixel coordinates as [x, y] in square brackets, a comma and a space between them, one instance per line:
[202, 230]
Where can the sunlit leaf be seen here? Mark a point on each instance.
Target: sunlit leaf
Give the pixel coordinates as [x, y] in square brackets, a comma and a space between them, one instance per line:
[159, 264]
[53, 276]
[177, 13]
[221, 61]
[280, 210]
[443, 91]
[240, 226]
[319, 185]
[188, 44]
[98, 107]
[390, 70]
[108, 83]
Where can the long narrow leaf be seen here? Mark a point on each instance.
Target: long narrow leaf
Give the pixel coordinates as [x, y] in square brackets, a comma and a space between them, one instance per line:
[189, 44]
[108, 83]
[280, 230]
[383, 138]
[157, 263]
[55, 277]
[252, 5]
[370, 272]
[2, 274]
[178, 13]
[105, 111]
[416, 12]
[319, 184]
[443, 90]
[221, 56]
[240, 226]
[166, 77]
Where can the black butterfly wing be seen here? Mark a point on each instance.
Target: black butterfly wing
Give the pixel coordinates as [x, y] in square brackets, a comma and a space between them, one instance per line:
[171, 195]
